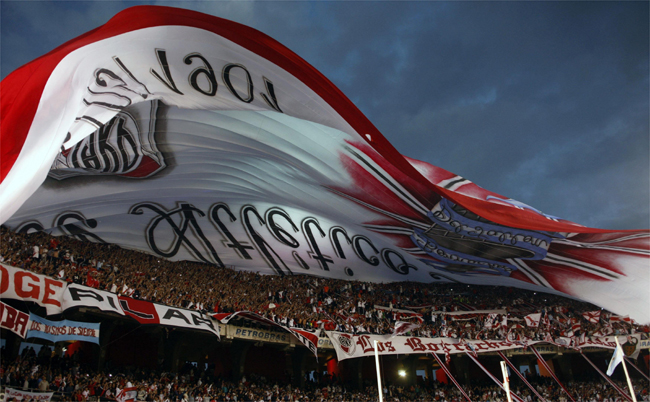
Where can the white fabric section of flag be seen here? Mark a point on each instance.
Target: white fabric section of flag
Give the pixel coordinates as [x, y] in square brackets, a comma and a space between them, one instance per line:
[592, 316]
[127, 395]
[51, 125]
[532, 320]
[402, 327]
[617, 357]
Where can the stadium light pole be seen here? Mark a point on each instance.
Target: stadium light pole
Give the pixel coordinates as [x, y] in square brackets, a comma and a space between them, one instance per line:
[381, 394]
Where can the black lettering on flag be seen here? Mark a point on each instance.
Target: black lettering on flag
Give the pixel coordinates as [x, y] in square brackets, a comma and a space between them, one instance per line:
[78, 294]
[273, 102]
[356, 242]
[249, 82]
[173, 313]
[334, 239]
[188, 219]
[206, 70]
[198, 320]
[262, 246]
[161, 54]
[277, 231]
[315, 252]
[75, 230]
[229, 241]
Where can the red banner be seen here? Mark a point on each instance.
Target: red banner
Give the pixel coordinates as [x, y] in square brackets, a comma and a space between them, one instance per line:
[14, 320]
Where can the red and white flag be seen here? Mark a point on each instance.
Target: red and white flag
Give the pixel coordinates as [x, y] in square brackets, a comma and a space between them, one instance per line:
[402, 327]
[105, 105]
[575, 327]
[491, 321]
[127, 395]
[618, 318]
[532, 320]
[604, 331]
[592, 316]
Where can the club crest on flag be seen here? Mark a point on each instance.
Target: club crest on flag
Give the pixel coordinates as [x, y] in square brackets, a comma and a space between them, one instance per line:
[629, 347]
[347, 343]
[125, 146]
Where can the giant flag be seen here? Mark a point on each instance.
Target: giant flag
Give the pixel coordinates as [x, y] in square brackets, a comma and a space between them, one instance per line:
[195, 138]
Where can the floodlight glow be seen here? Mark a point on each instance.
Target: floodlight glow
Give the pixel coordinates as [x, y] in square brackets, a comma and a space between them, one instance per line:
[402, 373]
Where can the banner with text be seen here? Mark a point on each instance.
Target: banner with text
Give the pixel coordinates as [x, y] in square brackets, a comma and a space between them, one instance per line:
[307, 338]
[14, 320]
[18, 284]
[84, 296]
[66, 330]
[349, 346]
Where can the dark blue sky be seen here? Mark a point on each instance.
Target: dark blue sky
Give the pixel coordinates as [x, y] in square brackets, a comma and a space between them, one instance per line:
[544, 102]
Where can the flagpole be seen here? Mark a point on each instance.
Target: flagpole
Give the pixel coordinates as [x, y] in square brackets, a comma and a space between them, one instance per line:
[506, 383]
[381, 394]
[629, 382]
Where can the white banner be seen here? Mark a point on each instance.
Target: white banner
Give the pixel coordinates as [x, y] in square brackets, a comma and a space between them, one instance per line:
[192, 319]
[349, 346]
[28, 396]
[452, 313]
[19, 284]
[84, 296]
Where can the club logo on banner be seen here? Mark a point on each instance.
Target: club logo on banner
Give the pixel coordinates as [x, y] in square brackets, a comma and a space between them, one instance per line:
[66, 330]
[125, 146]
[14, 320]
[346, 343]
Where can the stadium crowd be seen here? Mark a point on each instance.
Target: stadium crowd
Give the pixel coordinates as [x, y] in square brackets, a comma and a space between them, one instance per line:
[72, 381]
[309, 302]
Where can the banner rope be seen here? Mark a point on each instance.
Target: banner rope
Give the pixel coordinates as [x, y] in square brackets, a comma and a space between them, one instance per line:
[496, 380]
[451, 377]
[609, 380]
[550, 371]
[521, 376]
